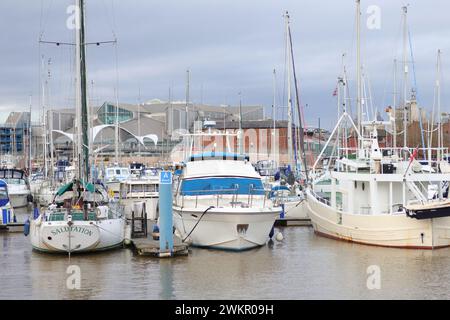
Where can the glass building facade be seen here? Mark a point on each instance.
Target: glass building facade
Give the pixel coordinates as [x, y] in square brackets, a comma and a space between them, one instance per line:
[107, 114]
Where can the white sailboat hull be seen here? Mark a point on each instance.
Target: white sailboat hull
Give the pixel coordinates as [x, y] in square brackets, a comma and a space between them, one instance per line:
[82, 236]
[226, 228]
[296, 210]
[388, 230]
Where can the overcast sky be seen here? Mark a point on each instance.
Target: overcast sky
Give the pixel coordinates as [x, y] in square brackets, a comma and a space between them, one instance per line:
[229, 47]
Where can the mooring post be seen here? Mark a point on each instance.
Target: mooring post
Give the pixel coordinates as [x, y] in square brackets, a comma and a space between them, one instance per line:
[165, 213]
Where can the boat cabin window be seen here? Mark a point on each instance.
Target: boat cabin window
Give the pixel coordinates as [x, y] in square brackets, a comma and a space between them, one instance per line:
[110, 172]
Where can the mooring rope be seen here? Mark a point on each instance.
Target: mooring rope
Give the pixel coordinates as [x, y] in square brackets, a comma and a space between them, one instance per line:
[204, 212]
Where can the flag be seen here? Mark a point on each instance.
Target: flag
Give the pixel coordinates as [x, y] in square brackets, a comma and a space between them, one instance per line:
[335, 92]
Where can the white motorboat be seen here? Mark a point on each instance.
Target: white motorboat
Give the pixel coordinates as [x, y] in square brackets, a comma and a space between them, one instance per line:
[220, 203]
[114, 175]
[7, 211]
[18, 187]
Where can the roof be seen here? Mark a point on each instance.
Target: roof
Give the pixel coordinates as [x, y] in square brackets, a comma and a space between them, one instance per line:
[252, 124]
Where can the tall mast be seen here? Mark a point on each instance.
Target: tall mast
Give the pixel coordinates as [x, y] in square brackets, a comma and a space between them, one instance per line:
[358, 69]
[29, 142]
[81, 57]
[139, 121]
[438, 88]
[187, 99]
[44, 124]
[394, 108]
[274, 114]
[289, 99]
[405, 78]
[297, 100]
[240, 137]
[50, 127]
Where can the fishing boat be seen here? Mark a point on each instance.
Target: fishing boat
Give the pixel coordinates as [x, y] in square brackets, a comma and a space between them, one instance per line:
[18, 187]
[88, 220]
[381, 195]
[220, 203]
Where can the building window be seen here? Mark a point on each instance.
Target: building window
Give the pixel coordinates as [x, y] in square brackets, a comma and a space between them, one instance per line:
[107, 114]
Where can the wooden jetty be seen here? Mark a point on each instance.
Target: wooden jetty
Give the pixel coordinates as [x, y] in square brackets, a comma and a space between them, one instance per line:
[150, 247]
[146, 243]
[12, 227]
[291, 222]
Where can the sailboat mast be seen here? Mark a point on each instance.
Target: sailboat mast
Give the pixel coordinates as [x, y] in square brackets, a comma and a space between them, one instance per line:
[297, 99]
[44, 124]
[187, 99]
[240, 137]
[289, 99]
[358, 69]
[273, 114]
[29, 142]
[84, 163]
[405, 78]
[394, 108]
[50, 126]
[438, 85]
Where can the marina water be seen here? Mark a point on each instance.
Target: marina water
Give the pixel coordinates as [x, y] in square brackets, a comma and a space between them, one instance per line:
[302, 266]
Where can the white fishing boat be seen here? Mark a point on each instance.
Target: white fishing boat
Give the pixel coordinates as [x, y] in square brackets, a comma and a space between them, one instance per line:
[220, 203]
[87, 220]
[18, 187]
[371, 186]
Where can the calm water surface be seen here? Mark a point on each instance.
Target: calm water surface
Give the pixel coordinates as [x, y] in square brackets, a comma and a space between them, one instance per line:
[302, 266]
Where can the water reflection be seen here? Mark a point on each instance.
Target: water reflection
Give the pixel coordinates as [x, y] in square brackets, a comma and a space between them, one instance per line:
[166, 276]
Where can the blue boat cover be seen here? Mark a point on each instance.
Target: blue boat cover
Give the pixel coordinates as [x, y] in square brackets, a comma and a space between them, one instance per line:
[221, 185]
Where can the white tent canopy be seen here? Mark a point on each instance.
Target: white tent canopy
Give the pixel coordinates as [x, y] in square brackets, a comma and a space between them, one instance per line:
[97, 129]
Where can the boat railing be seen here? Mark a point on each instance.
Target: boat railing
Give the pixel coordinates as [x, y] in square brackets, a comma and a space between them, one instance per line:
[219, 193]
[321, 199]
[391, 151]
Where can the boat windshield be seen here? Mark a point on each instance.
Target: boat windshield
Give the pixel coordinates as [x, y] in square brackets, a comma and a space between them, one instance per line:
[222, 185]
[3, 196]
[14, 181]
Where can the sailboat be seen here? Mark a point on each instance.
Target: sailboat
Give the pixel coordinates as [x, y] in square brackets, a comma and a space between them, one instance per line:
[87, 220]
[288, 196]
[370, 190]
